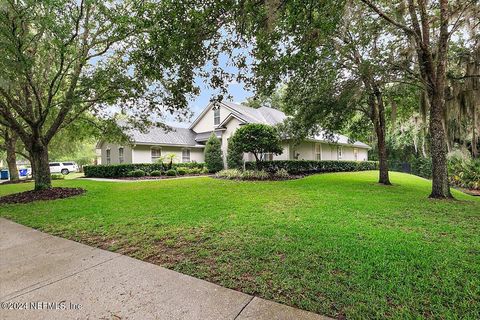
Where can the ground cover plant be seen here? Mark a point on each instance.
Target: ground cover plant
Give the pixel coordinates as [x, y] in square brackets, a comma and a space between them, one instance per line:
[338, 244]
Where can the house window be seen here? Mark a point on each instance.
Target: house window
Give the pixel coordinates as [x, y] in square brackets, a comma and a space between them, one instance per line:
[216, 116]
[339, 152]
[156, 154]
[355, 154]
[108, 156]
[318, 151]
[185, 155]
[267, 156]
[295, 154]
[121, 156]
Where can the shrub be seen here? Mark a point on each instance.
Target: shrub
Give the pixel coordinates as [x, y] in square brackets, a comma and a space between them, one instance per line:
[189, 165]
[229, 174]
[311, 166]
[137, 173]
[255, 175]
[213, 154]
[234, 155]
[181, 171]
[156, 173]
[194, 171]
[171, 173]
[282, 174]
[464, 173]
[120, 170]
[422, 167]
[57, 176]
[204, 171]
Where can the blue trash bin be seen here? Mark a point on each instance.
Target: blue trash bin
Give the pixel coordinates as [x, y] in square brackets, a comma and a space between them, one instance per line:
[4, 174]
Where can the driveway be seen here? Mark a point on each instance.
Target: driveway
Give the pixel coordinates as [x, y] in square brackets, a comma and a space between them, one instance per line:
[46, 277]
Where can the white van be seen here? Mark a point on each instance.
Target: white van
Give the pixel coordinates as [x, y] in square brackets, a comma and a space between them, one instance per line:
[63, 167]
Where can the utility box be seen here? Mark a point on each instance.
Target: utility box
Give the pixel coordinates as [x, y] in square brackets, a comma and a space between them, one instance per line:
[4, 174]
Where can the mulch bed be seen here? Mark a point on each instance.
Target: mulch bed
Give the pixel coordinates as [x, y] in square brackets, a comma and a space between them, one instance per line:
[471, 192]
[48, 194]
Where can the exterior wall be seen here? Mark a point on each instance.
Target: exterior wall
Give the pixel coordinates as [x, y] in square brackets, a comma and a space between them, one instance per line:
[143, 153]
[362, 154]
[206, 122]
[306, 151]
[285, 154]
[114, 159]
[303, 151]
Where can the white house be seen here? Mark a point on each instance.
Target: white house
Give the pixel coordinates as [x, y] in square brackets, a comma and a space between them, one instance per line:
[223, 118]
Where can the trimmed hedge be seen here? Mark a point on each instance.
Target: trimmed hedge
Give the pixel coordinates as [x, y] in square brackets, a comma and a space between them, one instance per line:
[311, 166]
[421, 167]
[122, 170]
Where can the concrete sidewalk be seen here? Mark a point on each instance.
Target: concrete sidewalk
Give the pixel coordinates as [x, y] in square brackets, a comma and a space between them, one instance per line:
[55, 278]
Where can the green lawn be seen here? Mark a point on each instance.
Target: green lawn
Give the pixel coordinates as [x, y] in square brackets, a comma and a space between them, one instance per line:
[336, 244]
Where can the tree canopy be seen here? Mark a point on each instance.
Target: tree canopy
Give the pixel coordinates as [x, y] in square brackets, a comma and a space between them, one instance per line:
[258, 139]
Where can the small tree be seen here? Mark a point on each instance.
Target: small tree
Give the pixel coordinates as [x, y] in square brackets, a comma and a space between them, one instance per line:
[258, 139]
[213, 154]
[234, 155]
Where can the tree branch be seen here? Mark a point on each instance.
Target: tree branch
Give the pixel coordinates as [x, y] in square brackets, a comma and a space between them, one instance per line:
[388, 18]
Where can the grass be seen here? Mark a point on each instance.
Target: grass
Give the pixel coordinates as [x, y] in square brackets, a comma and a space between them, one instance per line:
[336, 244]
[74, 175]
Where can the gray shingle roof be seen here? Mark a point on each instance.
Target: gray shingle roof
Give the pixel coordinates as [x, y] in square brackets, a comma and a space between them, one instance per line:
[203, 136]
[157, 135]
[272, 117]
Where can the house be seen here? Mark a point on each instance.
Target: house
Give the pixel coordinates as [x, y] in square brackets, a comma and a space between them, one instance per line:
[223, 118]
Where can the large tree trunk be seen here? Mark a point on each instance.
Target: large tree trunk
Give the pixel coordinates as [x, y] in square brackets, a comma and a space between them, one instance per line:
[474, 132]
[377, 109]
[10, 145]
[40, 166]
[438, 150]
[382, 157]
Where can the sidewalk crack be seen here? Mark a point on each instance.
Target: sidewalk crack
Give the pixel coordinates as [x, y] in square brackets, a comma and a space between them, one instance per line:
[240, 312]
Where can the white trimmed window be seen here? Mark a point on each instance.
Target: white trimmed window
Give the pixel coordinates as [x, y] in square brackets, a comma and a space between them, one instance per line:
[108, 158]
[267, 156]
[121, 155]
[339, 152]
[216, 116]
[185, 155]
[156, 154]
[318, 151]
[355, 154]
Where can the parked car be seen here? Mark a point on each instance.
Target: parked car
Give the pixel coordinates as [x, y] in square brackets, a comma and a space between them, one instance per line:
[63, 167]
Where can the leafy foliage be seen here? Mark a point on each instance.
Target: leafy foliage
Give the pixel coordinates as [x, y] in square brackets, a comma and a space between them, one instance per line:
[258, 139]
[137, 173]
[234, 155]
[311, 166]
[156, 173]
[171, 172]
[213, 154]
[122, 170]
[57, 176]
